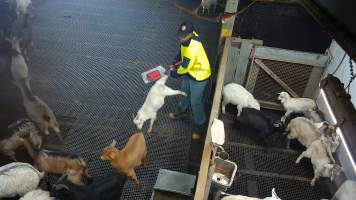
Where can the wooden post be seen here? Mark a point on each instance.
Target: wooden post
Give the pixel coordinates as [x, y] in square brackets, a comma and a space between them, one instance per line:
[205, 171]
[228, 26]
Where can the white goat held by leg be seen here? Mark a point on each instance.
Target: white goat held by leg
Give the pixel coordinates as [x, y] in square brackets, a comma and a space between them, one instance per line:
[154, 101]
[236, 94]
[297, 105]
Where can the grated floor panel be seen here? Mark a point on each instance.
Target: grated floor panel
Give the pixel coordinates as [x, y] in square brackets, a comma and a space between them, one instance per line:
[86, 64]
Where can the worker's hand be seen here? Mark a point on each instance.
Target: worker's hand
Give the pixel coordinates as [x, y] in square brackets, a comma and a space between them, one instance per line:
[174, 73]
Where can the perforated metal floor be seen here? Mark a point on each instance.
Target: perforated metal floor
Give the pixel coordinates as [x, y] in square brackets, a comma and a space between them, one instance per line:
[86, 65]
[262, 168]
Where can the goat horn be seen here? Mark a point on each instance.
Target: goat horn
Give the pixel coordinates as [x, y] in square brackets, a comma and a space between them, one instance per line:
[113, 144]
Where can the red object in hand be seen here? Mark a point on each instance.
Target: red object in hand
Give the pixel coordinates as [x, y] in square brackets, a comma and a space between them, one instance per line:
[154, 75]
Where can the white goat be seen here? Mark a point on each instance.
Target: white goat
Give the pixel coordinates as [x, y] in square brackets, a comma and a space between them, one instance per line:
[313, 115]
[321, 159]
[19, 69]
[238, 95]
[207, 4]
[306, 132]
[18, 179]
[38, 110]
[23, 6]
[37, 195]
[154, 101]
[303, 130]
[297, 105]
[240, 197]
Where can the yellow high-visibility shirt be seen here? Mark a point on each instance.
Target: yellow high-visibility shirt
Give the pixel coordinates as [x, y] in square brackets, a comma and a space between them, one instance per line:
[195, 60]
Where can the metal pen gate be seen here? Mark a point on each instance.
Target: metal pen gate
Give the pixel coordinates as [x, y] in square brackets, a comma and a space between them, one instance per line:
[266, 71]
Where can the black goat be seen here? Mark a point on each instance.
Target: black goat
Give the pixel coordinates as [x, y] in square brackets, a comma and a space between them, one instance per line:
[106, 188]
[258, 126]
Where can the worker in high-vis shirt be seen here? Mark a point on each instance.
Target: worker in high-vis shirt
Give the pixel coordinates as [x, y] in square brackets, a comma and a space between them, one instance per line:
[194, 71]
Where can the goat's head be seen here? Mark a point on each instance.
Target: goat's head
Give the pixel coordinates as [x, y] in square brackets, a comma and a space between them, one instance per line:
[139, 120]
[109, 152]
[283, 96]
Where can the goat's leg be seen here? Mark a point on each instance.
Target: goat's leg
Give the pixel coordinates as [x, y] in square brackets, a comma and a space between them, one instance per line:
[59, 135]
[315, 178]
[152, 120]
[223, 105]
[283, 119]
[302, 155]
[328, 150]
[170, 92]
[144, 161]
[288, 144]
[133, 176]
[239, 110]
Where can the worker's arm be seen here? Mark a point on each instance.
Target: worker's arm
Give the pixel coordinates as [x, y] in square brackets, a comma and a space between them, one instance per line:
[187, 63]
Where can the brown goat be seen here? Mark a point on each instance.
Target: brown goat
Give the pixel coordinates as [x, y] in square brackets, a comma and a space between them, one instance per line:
[126, 160]
[61, 163]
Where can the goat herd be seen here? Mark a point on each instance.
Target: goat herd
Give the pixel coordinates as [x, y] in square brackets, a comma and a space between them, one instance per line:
[22, 179]
[302, 121]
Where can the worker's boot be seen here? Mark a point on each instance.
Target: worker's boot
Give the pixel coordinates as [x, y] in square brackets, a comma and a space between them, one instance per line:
[178, 115]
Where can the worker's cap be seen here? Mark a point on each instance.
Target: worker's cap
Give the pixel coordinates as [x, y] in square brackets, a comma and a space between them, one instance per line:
[185, 28]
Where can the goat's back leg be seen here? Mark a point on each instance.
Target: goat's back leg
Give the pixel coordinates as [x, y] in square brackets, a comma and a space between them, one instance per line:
[239, 110]
[223, 105]
[152, 120]
[305, 153]
[315, 178]
[133, 176]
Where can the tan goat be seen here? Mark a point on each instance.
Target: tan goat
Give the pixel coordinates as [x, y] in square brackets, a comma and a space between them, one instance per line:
[126, 160]
[57, 162]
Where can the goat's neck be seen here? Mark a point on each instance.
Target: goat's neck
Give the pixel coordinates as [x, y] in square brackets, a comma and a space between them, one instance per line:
[284, 100]
[26, 90]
